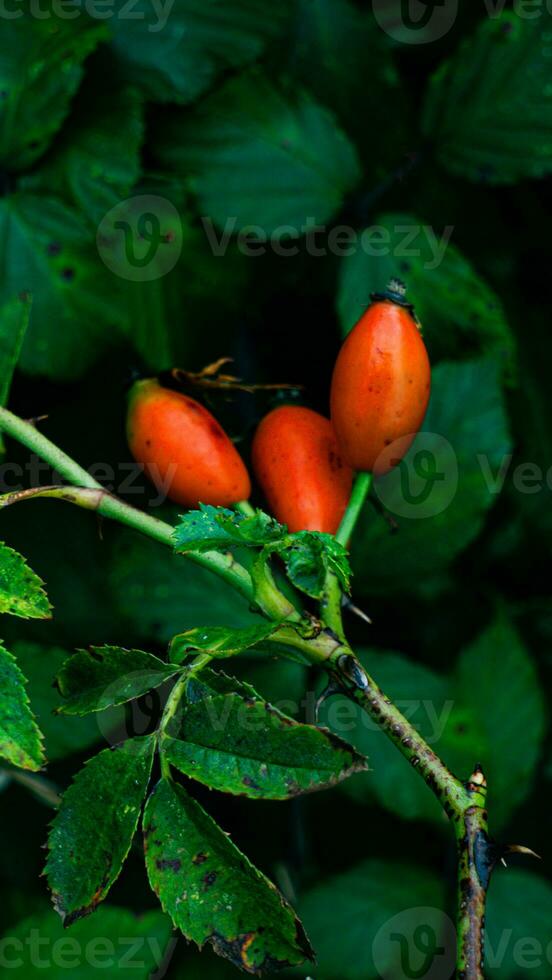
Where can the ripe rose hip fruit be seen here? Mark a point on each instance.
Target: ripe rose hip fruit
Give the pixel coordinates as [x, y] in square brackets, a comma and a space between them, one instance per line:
[381, 385]
[183, 449]
[299, 466]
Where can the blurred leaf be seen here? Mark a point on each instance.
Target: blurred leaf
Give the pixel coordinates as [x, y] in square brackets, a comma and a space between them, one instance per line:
[460, 315]
[91, 834]
[442, 490]
[96, 160]
[40, 664]
[14, 320]
[161, 594]
[94, 679]
[113, 937]
[40, 71]
[497, 678]
[230, 739]
[47, 249]
[489, 108]
[187, 853]
[517, 925]
[21, 592]
[356, 919]
[20, 736]
[363, 90]
[219, 641]
[259, 157]
[175, 52]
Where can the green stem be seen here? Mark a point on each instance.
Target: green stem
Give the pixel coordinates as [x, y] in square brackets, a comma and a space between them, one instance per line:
[245, 508]
[361, 489]
[464, 804]
[171, 707]
[331, 599]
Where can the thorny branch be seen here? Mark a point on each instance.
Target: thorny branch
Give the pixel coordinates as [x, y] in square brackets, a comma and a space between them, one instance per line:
[464, 803]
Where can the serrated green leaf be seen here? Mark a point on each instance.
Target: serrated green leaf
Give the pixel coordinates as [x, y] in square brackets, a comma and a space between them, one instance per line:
[217, 528]
[91, 834]
[364, 921]
[94, 679]
[234, 741]
[219, 641]
[517, 925]
[489, 108]
[460, 315]
[440, 493]
[48, 249]
[310, 556]
[113, 939]
[63, 738]
[40, 71]
[21, 592]
[210, 889]
[20, 736]
[175, 53]
[263, 158]
[96, 162]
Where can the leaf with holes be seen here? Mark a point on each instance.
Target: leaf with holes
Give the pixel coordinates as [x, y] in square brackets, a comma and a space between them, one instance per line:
[226, 736]
[21, 592]
[210, 889]
[20, 736]
[94, 679]
[48, 249]
[91, 834]
[96, 161]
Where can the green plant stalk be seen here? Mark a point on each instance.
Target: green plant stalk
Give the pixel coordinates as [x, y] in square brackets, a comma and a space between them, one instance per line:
[330, 606]
[463, 803]
[361, 489]
[171, 707]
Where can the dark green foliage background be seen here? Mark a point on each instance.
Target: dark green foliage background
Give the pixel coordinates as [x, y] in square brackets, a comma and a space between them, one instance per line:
[278, 112]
